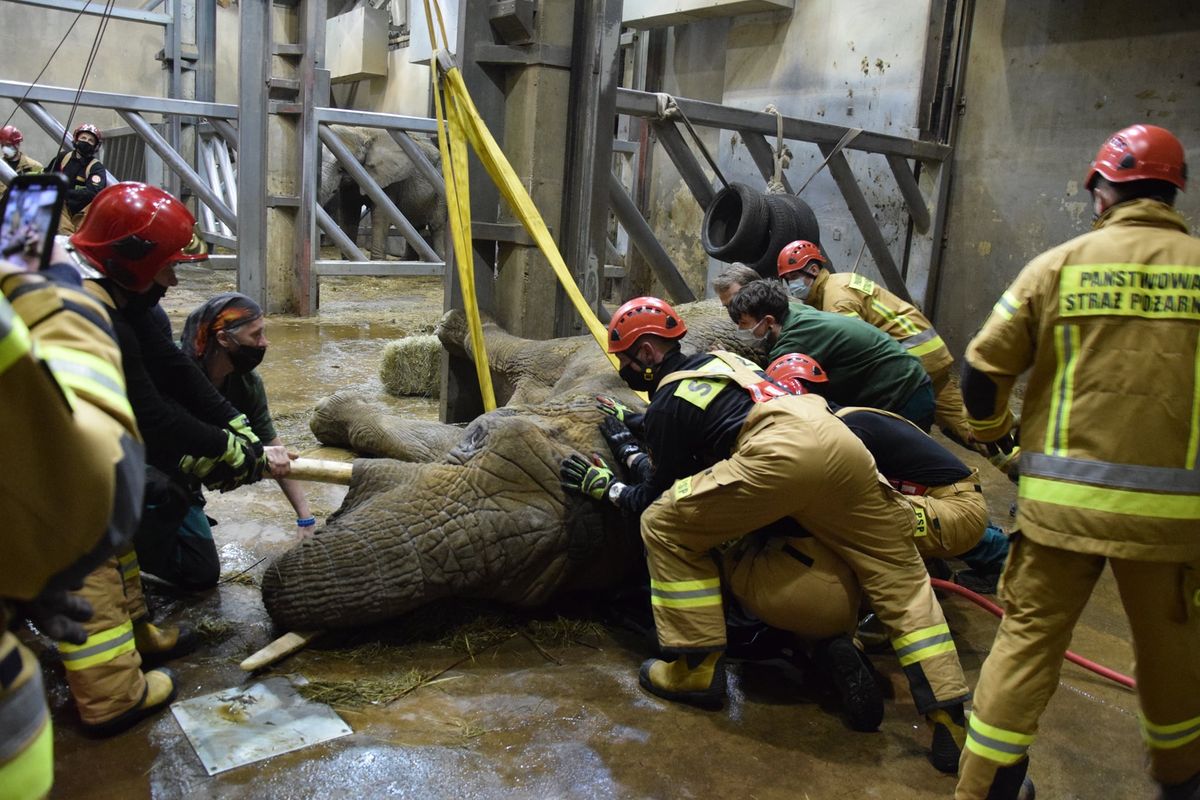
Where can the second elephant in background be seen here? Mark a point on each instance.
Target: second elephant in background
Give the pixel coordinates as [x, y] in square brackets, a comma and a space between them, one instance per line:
[423, 204]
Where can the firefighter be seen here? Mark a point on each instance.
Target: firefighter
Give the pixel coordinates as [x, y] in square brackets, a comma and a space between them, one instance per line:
[866, 366]
[10, 149]
[64, 404]
[1107, 324]
[952, 515]
[731, 452]
[85, 175]
[800, 266]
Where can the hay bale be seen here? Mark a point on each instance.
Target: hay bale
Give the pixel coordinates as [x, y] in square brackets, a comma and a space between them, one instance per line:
[410, 366]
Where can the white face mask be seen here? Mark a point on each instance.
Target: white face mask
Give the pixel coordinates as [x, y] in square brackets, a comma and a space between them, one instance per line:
[798, 287]
[747, 336]
[9, 151]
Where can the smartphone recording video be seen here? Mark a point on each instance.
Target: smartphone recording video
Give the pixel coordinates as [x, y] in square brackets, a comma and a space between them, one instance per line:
[29, 219]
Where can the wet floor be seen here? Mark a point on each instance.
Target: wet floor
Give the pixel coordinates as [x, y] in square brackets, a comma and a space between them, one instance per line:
[501, 710]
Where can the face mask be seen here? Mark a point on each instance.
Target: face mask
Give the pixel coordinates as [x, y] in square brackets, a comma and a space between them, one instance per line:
[799, 287]
[246, 358]
[748, 337]
[85, 149]
[9, 152]
[634, 375]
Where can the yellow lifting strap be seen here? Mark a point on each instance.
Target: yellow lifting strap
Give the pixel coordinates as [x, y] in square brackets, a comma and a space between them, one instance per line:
[461, 123]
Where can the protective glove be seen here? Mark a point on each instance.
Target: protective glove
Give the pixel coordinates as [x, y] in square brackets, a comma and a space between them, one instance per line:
[240, 425]
[613, 407]
[1005, 455]
[242, 462]
[624, 445]
[587, 478]
[57, 613]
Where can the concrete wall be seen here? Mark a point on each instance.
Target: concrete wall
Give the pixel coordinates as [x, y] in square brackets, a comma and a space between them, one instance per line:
[1046, 84]
[821, 62]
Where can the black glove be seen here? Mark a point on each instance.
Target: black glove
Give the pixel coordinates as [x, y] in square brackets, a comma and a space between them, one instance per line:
[621, 441]
[57, 613]
[590, 478]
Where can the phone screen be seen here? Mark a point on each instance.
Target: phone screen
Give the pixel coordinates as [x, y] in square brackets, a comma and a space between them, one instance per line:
[29, 219]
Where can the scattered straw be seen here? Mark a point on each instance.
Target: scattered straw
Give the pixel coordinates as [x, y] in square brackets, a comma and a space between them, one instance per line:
[358, 692]
[410, 367]
[240, 578]
[214, 629]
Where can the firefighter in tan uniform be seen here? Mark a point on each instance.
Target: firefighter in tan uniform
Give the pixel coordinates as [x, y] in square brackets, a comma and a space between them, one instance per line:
[855, 295]
[67, 425]
[85, 175]
[10, 149]
[725, 464]
[1108, 324]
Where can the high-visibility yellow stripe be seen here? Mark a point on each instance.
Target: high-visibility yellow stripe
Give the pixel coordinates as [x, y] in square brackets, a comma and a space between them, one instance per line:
[850, 314]
[1114, 501]
[901, 642]
[89, 376]
[989, 424]
[902, 320]
[686, 602]
[99, 648]
[1168, 737]
[1066, 348]
[130, 566]
[930, 651]
[1194, 439]
[31, 773]
[933, 344]
[923, 644]
[14, 337]
[996, 744]
[685, 586]
[1006, 306]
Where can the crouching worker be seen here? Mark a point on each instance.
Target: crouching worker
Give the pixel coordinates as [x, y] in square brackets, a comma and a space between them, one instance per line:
[952, 516]
[732, 452]
[226, 336]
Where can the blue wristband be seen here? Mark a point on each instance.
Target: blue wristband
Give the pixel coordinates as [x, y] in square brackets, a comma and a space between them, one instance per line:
[307, 522]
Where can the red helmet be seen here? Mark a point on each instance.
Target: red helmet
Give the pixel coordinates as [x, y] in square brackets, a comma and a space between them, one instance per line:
[11, 136]
[88, 127]
[797, 255]
[641, 316]
[1140, 152]
[792, 369]
[132, 231]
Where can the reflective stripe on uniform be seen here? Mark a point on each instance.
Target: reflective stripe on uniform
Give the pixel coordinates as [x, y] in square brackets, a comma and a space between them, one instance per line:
[23, 713]
[1066, 346]
[923, 644]
[1194, 438]
[996, 744]
[90, 376]
[129, 565]
[32, 772]
[906, 324]
[685, 594]
[1006, 306]
[1168, 737]
[1112, 501]
[923, 343]
[99, 648]
[922, 528]
[989, 424]
[1118, 476]
[14, 336]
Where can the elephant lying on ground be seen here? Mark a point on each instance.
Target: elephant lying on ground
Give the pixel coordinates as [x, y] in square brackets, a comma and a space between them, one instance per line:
[385, 161]
[474, 513]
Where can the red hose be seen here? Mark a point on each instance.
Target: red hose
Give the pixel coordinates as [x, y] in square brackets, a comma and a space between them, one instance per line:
[1074, 658]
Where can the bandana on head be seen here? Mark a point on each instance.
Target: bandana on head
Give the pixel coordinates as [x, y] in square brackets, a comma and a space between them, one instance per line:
[227, 311]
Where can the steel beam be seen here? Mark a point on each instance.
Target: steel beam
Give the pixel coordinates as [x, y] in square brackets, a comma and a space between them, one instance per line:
[911, 191]
[645, 104]
[764, 157]
[685, 161]
[383, 203]
[229, 178]
[843, 176]
[379, 268]
[7, 173]
[423, 165]
[340, 239]
[181, 168]
[226, 132]
[117, 102]
[96, 8]
[254, 67]
[371, 119]
[644, 240]
[55, 130]
[314, 92]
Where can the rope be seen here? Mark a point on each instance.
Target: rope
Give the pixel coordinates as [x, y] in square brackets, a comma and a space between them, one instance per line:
[1074, 658]
[846, 139]
[783, 155]
[44, 67]
[667, 110]
[87, 69]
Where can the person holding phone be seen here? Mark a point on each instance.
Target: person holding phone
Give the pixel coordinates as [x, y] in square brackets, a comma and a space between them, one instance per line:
[85, 175]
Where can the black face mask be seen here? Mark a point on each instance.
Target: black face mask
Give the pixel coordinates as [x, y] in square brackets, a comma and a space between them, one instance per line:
[638, 377]
[246, 358]
[85, 149]
[144, 301]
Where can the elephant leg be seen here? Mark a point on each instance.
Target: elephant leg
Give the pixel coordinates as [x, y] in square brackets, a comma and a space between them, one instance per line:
[349, 208]
[379, 235]
[347, 419]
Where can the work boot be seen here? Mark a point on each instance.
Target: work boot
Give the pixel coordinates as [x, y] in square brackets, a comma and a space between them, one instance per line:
[1011, 783]
[855, 684]
[157, 645]
[1188, 790]
[698, 679]
[949, 734]
[160, 691]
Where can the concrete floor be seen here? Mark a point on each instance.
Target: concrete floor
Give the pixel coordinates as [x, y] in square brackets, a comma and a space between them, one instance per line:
[560, 720]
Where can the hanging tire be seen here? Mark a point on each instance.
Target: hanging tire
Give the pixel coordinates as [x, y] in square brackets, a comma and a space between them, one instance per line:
[790, 219]
[735, 224]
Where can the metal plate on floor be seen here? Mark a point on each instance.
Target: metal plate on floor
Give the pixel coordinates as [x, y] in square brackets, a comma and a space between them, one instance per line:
[246, 724]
